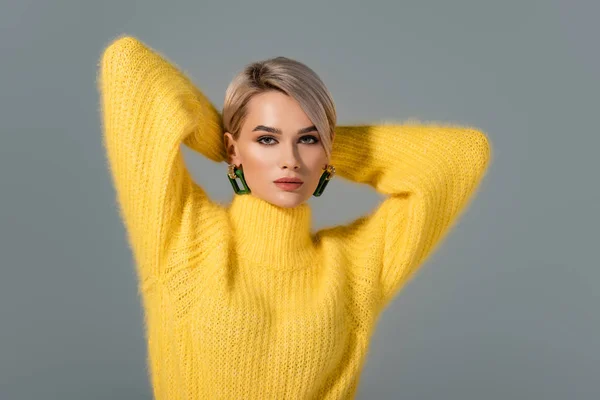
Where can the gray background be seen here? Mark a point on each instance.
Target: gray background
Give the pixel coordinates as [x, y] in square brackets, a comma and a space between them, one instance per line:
[506, 308]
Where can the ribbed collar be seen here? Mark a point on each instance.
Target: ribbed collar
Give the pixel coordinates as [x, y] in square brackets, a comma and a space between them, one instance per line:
[270, 236]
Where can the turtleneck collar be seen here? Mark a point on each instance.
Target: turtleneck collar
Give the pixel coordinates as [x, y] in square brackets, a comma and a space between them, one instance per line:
[270, 236]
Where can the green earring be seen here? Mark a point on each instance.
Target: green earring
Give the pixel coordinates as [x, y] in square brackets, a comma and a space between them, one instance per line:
[232, 174]
[325, 178]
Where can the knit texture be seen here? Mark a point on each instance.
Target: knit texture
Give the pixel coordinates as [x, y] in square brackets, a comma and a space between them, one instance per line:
[244, 300]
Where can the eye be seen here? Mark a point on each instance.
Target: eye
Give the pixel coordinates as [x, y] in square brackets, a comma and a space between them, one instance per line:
[260, 140]
[314, 139]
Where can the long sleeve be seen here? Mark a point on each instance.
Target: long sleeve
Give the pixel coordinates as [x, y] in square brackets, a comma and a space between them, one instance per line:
[149, 108]
[430, 172]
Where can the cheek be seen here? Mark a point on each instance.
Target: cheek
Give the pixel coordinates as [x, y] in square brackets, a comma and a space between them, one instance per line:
[256, 160]
[315, 161]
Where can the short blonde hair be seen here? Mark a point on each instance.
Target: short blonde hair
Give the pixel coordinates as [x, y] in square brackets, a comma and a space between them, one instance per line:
[290, 77]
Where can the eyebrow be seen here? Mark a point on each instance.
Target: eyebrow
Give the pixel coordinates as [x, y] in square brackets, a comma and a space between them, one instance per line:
[278, 131]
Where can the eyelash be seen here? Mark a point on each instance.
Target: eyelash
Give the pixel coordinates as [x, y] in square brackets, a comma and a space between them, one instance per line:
[271, 137]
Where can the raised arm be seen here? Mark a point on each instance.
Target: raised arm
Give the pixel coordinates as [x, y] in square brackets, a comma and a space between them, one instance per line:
[149, 107]
[430, 172]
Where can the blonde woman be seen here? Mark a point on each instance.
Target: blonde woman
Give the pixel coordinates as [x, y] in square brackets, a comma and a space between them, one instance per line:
[243, 301]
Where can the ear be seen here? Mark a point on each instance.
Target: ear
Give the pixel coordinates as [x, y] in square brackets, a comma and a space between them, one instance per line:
[231, 148]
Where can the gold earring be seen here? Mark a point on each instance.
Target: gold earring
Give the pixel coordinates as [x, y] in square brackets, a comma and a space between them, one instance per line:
[232, 174]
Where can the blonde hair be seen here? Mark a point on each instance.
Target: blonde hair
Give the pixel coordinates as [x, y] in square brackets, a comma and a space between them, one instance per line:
[290, 77]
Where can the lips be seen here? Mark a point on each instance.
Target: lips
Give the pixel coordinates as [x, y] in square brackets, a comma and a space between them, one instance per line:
[288, 186]
[288, 180]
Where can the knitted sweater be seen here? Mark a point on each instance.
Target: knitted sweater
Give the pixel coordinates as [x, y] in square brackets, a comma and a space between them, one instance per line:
[244, 300]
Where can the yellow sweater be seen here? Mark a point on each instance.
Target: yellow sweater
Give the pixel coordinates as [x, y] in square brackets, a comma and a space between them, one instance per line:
[244, 301]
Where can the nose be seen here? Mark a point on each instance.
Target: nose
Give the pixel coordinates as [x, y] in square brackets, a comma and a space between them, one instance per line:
[289, 158]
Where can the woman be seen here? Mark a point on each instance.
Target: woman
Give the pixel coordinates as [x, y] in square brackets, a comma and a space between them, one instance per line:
[242, 300]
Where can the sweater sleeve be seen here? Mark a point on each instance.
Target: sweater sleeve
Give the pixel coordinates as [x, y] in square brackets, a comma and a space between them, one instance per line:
[148, 109]
[429, 171]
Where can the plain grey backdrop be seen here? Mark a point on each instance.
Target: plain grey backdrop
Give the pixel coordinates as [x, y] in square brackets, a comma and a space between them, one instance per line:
[506, 308]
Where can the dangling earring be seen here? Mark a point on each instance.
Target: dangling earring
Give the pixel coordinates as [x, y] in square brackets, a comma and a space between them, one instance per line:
[232, 174]
[325, 178]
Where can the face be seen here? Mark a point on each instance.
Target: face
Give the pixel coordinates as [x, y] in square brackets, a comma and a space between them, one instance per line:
[278, 140]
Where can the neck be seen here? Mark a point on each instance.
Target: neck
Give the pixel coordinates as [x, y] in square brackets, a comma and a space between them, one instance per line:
[270, 236]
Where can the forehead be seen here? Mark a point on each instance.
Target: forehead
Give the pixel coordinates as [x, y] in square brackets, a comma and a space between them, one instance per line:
[276, 109]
